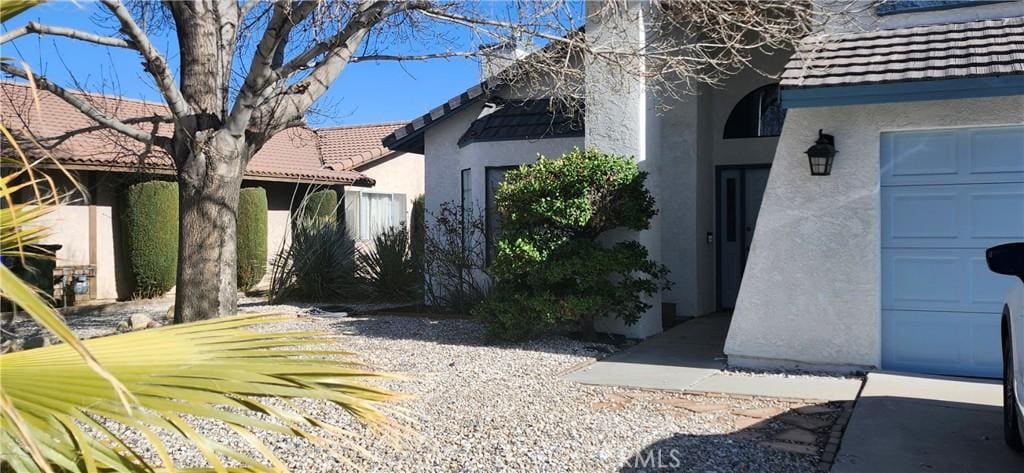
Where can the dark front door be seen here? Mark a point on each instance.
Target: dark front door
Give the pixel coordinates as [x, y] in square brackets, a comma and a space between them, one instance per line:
[740, 190]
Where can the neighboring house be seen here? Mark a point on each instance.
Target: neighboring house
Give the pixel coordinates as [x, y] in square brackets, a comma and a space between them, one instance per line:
[294, 162]
[398, 176]
[879, 264]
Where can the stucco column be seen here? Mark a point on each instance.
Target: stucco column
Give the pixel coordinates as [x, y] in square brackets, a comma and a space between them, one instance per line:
[617, 122]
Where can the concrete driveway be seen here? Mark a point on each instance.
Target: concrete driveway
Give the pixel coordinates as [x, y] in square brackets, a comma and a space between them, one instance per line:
[909, 423]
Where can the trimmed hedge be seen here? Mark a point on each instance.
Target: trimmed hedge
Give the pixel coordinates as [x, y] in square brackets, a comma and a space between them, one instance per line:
[251, 236]
[418, 234]
[321, 204]
[149, 235]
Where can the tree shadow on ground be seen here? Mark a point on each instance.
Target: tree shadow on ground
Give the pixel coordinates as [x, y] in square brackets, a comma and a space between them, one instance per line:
[802, 437]
[454, 331]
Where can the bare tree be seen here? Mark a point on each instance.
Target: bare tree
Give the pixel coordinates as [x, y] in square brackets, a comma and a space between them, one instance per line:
[249, 69]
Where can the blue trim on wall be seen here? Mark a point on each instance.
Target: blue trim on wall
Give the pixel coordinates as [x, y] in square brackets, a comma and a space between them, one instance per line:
[893, 7]
[910, 91]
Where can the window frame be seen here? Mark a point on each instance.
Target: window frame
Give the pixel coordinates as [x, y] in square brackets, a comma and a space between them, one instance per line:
[489, 192]
[743, 105]
[398, 199]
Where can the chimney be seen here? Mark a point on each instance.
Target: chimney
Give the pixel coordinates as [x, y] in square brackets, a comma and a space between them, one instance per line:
[497, 56]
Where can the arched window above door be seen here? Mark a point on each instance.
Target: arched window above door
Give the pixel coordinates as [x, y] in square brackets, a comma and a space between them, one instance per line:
[757, 114]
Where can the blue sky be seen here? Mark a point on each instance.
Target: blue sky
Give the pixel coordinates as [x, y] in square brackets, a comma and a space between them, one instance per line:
[365, 92]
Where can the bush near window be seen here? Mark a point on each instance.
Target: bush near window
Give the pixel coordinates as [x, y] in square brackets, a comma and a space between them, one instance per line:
[149, 235]
[386, 270]
[320, 204]
[418, 235]
[319, 263]
[453, 259]
[252, 236]
[554, 265]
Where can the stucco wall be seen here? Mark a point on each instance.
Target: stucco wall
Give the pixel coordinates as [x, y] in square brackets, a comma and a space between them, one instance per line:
[444, 159]
[401, 173]
[811, 292]
[692, 146]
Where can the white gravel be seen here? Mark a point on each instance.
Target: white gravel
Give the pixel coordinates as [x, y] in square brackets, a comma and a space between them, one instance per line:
[480, 407]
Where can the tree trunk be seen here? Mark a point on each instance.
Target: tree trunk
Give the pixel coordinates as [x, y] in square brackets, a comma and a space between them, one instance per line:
[208, 188]
[587, 331]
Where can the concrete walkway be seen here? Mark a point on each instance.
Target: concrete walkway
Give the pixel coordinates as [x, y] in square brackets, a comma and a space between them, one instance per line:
[689, 357]
[910, 423]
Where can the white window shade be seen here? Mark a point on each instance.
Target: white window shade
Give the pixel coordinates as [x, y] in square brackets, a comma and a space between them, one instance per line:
[377, 213]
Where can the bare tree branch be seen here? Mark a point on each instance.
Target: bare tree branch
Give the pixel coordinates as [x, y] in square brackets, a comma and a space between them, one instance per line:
[94, 113]
[156, 65]
[33, 27]
[414, 57]
[247, 7]
[261, 71]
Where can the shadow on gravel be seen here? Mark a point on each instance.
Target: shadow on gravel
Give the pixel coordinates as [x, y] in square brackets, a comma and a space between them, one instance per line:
[802, 439]
[457, 332]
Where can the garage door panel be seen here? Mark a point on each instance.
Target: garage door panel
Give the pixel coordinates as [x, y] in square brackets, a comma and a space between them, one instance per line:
[945, 280]
[996, 150]
[941, 342]
[925, 153]
[982, 155]
[997, 212]
[952, 216]
[946, 196]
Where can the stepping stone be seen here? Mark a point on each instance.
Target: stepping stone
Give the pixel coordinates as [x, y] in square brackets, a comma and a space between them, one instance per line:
[606, 406]
[617, 398]
[804, 422]
[749, 434]
[791, 447]
[797, 435]
[672, 401]
[762, 413]
[815, 410]
[689, 405]
[702, 408]
[742, 422]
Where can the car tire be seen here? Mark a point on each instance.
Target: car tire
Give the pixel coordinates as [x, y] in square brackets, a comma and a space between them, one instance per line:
[1011, 413]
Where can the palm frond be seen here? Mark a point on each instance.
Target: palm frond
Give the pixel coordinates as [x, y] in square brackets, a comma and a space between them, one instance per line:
[219, 370]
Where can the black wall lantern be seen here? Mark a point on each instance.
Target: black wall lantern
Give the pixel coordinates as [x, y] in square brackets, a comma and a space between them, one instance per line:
[821, 154]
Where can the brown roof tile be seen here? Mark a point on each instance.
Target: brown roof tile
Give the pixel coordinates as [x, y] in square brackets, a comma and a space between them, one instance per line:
[76, 140]
[348, 147]
[950, 51]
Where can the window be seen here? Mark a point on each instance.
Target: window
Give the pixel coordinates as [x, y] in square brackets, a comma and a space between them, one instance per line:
[494, 177]
[368, 214]
[466, 204]
[759, 113]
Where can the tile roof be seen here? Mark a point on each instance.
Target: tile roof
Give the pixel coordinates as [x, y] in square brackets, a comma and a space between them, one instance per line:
[410, 138]
[949, 51]
[522, 120]
[77, 141]
[348, 147]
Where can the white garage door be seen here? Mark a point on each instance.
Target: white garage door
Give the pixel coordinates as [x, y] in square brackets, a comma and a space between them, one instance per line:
[947, 195]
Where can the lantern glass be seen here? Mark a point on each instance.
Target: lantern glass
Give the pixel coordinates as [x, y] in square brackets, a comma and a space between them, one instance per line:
[820, 155]
[821, 165]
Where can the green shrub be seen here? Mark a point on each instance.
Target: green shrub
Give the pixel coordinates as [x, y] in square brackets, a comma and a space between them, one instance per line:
[386, 269]
[418, 236]
[551, 269]
[318, 265]
[320, 204]
[252, 236]
[149, 234]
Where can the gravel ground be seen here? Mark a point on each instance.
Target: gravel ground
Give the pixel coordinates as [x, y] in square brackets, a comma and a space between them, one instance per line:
[484, 407]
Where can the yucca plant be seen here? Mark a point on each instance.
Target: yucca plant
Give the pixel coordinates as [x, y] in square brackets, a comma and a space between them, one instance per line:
[317, 265]
[77, 406]
[386, 267]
